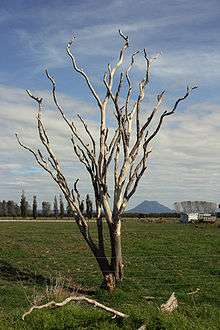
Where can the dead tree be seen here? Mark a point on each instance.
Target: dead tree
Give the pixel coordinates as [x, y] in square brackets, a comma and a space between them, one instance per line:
[126, 150]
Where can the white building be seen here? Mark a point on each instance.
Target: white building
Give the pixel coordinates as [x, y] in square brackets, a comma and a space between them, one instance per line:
[197, 211]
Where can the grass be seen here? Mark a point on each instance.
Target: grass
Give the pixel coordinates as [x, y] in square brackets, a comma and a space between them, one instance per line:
[159, 259]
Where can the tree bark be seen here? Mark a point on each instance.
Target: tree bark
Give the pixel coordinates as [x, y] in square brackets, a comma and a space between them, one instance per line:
[116, 250]
[108, 282]
[113, 272]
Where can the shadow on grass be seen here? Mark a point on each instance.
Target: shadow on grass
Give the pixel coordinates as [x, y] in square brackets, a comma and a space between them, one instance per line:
[12, 273]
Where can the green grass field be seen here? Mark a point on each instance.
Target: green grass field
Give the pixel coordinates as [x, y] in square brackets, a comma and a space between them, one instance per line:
[39, 261]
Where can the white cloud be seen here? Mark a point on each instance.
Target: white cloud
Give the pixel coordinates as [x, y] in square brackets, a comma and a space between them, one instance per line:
[148, 22]
[185, 67]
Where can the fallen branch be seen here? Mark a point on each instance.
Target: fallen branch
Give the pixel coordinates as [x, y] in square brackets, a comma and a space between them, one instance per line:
[149, 297]
[193, 292]
[170, 305]
[76, 298]
[143, 327]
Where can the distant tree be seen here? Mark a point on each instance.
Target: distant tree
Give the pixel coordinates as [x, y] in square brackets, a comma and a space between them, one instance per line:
[88, 207]
[34, 209]
[62, 213]
[1, 209]
[23, 205]
[55, 207]
[4, 208]
[11, 210]
[46, 209]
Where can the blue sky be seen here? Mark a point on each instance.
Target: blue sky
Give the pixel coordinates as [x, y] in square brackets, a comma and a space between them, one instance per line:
[185, 159]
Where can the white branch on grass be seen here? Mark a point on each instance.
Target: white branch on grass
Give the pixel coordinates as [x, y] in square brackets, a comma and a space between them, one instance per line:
[170, 305]
[79, 299]
[193, 292]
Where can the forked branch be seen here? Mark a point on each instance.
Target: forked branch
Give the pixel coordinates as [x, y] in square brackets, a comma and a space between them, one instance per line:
[95, 303]
[82, 73]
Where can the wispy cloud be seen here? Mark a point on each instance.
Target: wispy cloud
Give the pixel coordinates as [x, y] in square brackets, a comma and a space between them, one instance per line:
[186, 66]
[157, 23]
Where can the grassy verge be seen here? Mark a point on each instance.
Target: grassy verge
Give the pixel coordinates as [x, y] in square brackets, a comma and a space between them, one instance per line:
[159, 259]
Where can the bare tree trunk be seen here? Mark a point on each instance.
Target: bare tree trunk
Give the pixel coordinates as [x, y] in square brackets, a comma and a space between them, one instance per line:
[116, 250]
[99, 224]
[108, 282]
[113, 272]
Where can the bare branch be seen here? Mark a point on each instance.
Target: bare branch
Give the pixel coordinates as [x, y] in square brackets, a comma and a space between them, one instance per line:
[112, 71]
[112, 147]
[41, 162]
[116, 174]
[193, 292]
[119, 87]
[44, 164]
[134, 177]
[121, 55]
[82, 157]
[82, 73]
[168, 113]
[170, 305]
[76, 298]
[52, 80]
[123, 36]
[88, 132]
[129, 83]
[73, 129]
[142, 86]
[77, 191]
[37, 99]
[69, 123]
[149, 61]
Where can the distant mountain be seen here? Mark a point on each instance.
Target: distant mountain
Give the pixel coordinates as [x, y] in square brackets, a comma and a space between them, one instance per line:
[150, 207]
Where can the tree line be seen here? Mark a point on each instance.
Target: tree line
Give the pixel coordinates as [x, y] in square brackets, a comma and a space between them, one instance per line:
[57, 209]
